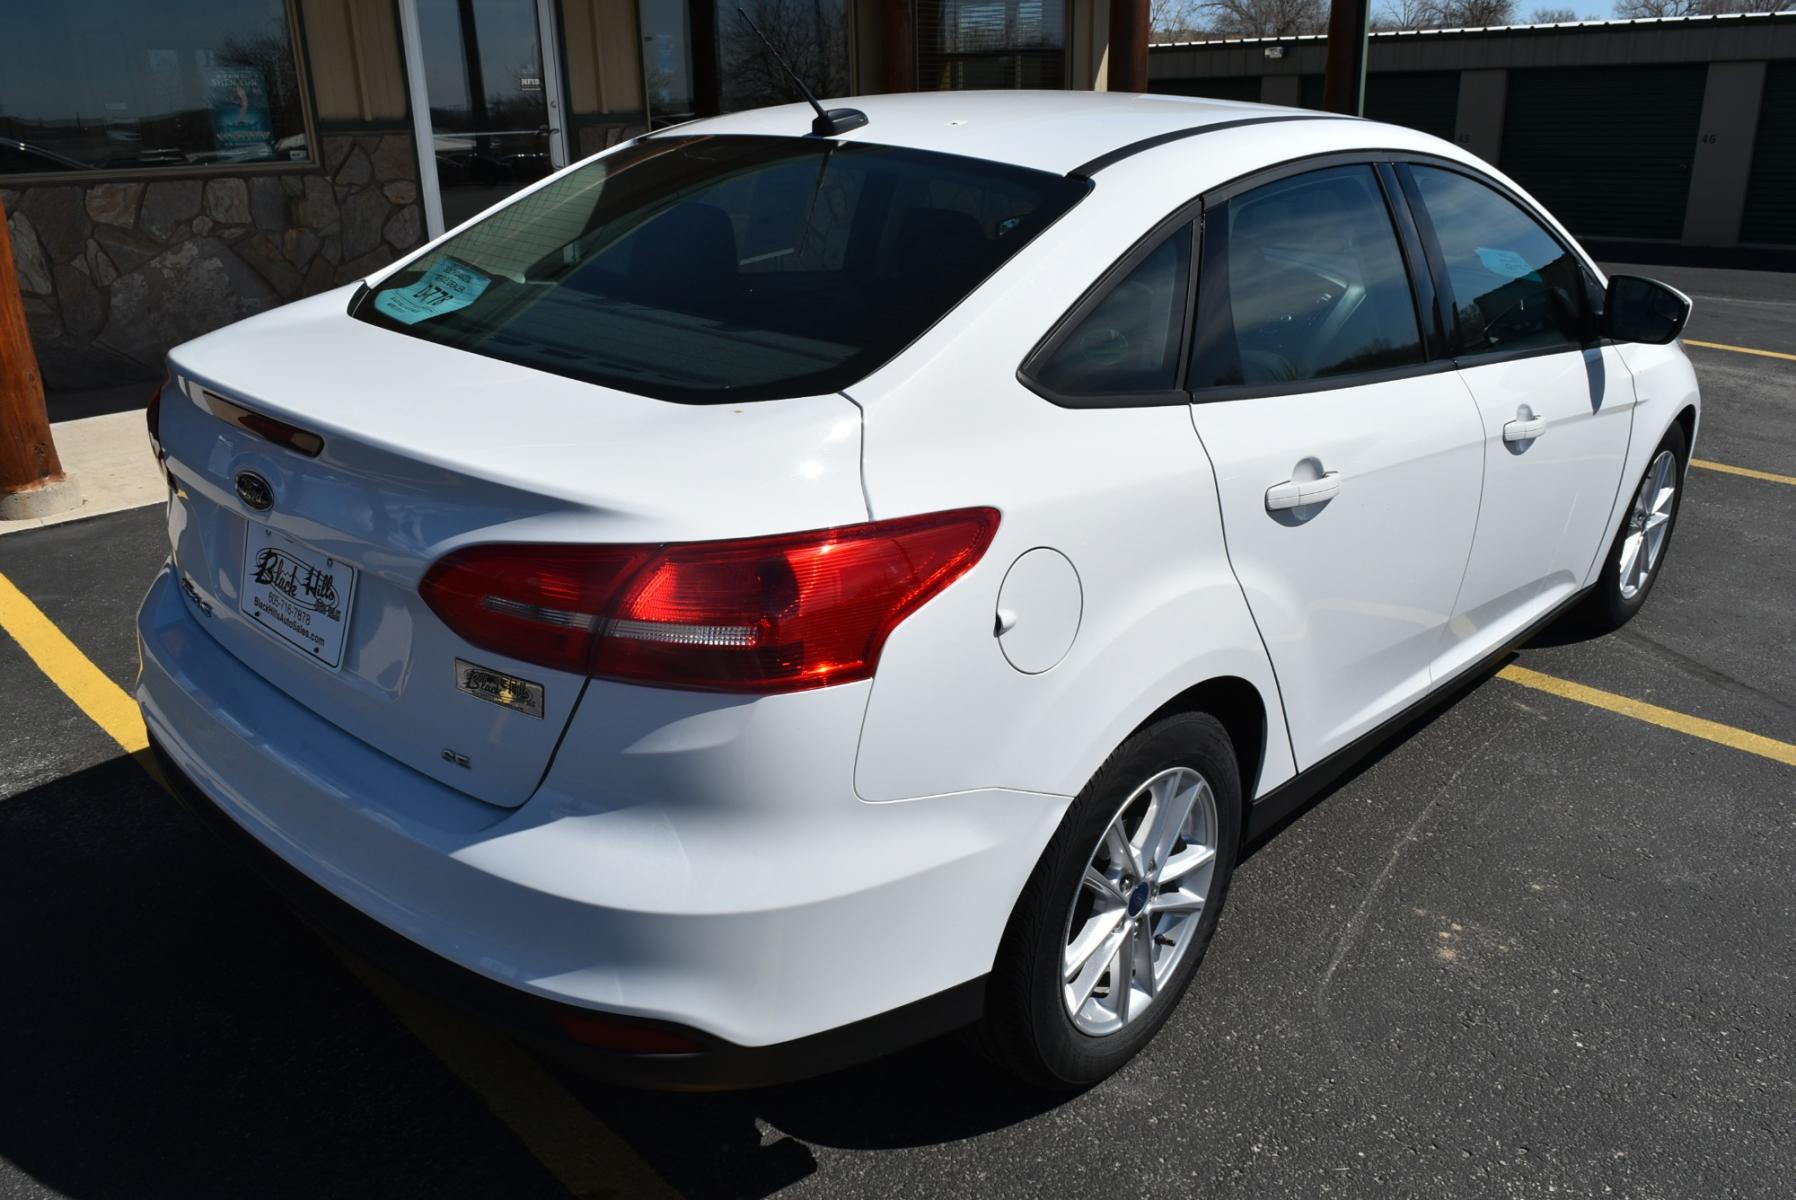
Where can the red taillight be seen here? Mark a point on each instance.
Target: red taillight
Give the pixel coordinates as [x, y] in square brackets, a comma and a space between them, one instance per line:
[541, 604]
[626, 1037]
[771, 614]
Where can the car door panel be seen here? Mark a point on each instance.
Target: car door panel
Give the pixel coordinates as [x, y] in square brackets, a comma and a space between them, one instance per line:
[1347, 463]
[1556, 408]
[1352, 594]
[1547, 499]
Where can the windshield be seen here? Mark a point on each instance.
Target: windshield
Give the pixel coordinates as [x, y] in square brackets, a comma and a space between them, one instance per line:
[724, 269]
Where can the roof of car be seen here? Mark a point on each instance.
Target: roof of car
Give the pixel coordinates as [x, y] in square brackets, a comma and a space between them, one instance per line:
[1058, 131]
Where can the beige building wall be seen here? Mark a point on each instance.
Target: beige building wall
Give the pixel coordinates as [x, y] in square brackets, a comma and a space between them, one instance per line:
[604, 56]
[602, 44]
[1088, 45]
[357, 65]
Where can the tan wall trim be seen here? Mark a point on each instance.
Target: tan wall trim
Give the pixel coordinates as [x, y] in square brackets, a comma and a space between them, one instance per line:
[355, 61]
[604, 56]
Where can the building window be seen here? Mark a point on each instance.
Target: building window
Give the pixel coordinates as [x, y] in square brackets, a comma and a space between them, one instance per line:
[667, 74]
[990, 44]
[129, 85]
[812, 35]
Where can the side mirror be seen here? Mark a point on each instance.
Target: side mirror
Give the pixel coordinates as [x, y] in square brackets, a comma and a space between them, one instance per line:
[1643, 310]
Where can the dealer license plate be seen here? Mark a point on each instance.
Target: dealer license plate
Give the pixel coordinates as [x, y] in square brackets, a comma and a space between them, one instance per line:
[299, 594]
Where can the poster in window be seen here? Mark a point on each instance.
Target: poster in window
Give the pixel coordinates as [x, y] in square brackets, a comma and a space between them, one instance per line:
[241, 125]
[163, 82]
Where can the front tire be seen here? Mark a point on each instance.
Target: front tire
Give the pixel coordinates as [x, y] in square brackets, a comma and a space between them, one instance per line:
[1116, 916]
[1637, 555]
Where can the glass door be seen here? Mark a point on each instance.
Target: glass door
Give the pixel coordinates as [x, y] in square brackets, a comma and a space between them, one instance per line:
[667, 81]
[491, 95]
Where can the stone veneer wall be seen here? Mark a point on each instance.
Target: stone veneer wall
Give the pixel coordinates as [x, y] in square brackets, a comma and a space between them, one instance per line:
[115, 273]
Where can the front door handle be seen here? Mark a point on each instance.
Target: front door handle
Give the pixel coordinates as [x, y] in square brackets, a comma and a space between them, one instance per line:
[1297, 493]
[1524, 429]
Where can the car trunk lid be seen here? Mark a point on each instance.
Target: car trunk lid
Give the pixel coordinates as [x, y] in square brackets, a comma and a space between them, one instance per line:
[426, 449]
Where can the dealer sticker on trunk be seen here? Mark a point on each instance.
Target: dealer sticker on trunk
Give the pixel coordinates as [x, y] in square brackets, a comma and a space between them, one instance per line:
[299, 594]
[496, 687]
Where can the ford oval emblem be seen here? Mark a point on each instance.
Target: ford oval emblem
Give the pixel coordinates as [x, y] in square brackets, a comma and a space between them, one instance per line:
[254, 491]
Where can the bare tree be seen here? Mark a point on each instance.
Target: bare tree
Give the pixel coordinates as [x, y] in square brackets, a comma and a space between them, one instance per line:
[808, 33]
[1175, 20]
[1408, 14]
[1474, 14]
[1266, 18]
[1553, 16]
[1662, 8]
[1452, 14]
[1696, 8]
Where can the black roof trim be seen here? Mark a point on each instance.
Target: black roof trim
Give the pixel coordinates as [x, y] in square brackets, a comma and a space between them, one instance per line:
[1112, 157]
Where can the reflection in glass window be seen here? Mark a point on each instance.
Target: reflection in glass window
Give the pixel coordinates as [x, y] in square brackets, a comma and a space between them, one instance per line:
[484, 75]
[723, 269]
[1129, 343]
[125, 84]
[1514, 285]
[963, 44]
[811, 34]
[489, 114]
[1315, 285]
[667, 61]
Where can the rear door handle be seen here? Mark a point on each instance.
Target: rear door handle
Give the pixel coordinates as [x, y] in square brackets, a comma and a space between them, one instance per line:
[1524, 430]
[1296, 493]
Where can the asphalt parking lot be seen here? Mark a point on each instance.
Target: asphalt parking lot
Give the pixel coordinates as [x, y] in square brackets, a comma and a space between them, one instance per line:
[1534, 947]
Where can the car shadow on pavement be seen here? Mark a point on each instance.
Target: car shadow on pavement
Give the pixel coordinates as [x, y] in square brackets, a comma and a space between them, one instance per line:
[166, 1029]
[751, 1144]
[1565, 631]
[1568, 630]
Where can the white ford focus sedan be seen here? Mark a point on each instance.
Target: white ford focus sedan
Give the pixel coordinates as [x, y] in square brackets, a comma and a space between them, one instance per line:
[758, 598]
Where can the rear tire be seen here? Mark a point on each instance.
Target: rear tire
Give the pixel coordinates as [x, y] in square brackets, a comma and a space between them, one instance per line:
[1637, 555]
[1135, 907]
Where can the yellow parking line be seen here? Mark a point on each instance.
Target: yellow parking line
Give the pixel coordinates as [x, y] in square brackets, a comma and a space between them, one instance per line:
[1740, 349]
[578, 1149]
[1748, 472]
[69, 669]
[1652, 714]
[583, 1154]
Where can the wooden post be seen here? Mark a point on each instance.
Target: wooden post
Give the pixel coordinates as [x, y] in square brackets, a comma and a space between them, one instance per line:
[31, 480]
[1128, 46]
[1344, 83]
[897, 47]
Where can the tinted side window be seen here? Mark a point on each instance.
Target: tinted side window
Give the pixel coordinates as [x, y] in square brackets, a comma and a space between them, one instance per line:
[1312, 284]
[1514, 285]
[1129, 343]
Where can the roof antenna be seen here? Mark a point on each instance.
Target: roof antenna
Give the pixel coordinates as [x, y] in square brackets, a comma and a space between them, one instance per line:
[826, 124]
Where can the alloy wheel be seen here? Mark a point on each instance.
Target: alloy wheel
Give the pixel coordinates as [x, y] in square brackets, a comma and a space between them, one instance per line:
[1140, 901]
[1648, 523]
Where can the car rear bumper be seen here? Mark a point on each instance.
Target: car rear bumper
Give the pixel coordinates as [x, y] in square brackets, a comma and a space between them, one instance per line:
[783, 939]
[539, 1022]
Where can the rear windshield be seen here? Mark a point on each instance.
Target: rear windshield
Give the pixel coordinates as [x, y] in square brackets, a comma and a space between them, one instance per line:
[723, 269]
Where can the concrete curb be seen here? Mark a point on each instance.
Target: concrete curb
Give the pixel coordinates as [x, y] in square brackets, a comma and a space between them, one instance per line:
[110, 456]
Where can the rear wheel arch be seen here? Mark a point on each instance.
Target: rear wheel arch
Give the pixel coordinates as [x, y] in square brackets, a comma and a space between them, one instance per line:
[1240, 708]
[1687, 418]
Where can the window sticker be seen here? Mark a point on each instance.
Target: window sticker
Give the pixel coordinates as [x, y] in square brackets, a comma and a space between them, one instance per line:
[1506, 263]
[446, 287]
